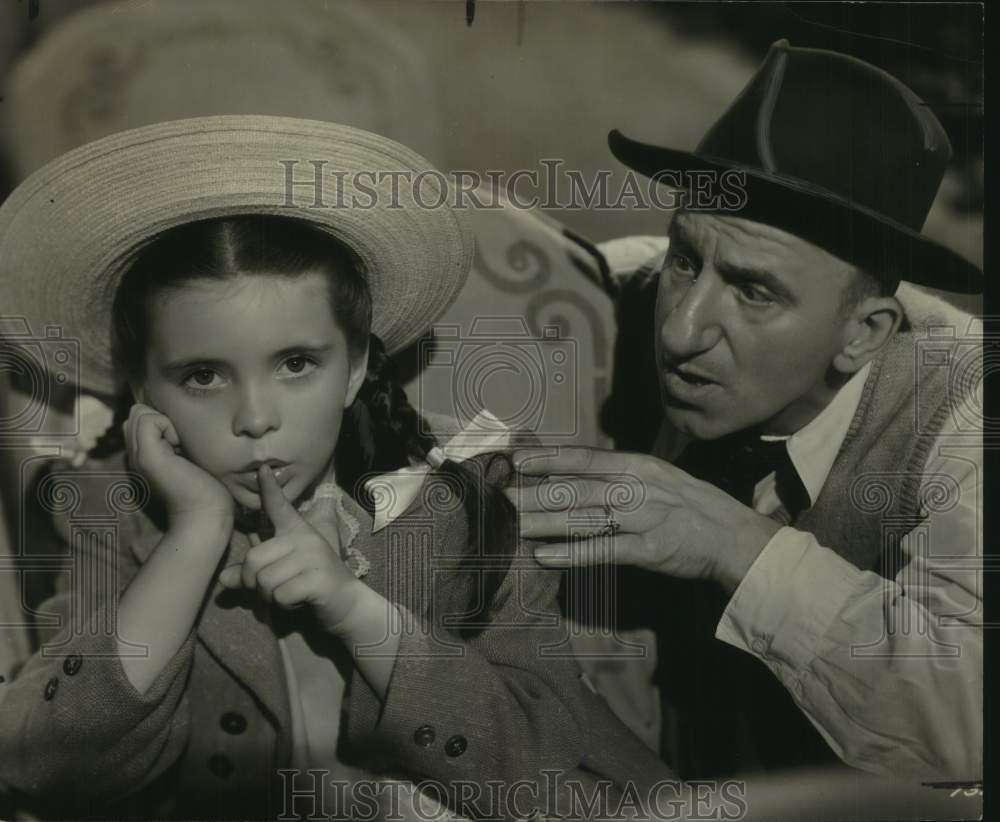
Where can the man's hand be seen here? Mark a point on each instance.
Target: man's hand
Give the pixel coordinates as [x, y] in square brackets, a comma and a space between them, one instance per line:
[297, 566]
[667, 521]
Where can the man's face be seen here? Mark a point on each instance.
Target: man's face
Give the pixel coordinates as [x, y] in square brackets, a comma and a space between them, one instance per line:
[748, 321]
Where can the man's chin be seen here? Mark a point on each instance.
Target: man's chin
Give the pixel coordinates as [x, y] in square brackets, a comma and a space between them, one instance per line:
[697, 423]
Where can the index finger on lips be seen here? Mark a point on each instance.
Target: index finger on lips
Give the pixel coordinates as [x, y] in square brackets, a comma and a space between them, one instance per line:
[279, 510]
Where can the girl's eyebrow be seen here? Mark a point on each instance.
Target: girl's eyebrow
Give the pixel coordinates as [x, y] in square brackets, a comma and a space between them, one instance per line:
[304, 349]
[214, 362]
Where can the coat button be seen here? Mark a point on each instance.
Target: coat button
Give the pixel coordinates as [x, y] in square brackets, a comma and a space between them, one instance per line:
[233, 723]
[220, 766]
[424, 736]
[72, 664]
[51, 687]
[456, 745]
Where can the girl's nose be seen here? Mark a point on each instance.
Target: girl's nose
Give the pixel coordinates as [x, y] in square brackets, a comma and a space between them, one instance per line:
[257, 414]
[692, 323]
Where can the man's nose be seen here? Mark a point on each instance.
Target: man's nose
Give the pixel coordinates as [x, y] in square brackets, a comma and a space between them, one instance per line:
[691, 323]
[258, 412]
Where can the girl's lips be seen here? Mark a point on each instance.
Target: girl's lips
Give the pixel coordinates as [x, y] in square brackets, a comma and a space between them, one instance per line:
[249, 479]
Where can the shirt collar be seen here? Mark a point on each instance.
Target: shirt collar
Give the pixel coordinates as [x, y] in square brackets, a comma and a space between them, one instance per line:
[327, 507]
[814, 447]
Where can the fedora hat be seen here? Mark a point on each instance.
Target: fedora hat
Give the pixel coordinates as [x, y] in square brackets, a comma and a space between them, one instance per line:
[70, 231]
[836, 152]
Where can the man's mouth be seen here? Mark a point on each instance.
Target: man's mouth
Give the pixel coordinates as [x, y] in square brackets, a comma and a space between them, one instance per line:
[686, 383]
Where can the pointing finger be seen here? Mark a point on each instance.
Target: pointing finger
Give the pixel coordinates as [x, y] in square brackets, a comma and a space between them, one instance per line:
[279, 510]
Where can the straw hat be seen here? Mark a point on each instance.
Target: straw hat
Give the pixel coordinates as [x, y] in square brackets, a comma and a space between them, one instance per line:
[70, 231]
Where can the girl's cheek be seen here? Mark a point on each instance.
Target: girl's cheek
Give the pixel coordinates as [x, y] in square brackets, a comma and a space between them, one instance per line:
[200, 443]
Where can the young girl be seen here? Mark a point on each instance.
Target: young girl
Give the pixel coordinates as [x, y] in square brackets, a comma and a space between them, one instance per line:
[258, 647]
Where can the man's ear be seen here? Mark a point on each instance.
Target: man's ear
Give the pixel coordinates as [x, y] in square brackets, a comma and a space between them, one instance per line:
[872, 323]
[359, 368]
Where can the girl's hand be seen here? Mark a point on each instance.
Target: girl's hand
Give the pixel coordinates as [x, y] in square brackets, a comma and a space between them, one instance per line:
[190, 494]
[297, 566]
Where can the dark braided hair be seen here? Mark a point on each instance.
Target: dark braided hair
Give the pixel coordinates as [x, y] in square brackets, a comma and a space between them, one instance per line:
[380, 431]
[383, 430]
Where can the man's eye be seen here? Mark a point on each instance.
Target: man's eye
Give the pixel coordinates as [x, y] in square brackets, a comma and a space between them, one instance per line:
[681, 264]
[754, 294]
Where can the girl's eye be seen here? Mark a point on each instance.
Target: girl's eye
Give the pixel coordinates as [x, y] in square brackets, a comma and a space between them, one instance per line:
[200, 380]
[299, 365]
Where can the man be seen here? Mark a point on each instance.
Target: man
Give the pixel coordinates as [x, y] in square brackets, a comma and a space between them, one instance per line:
[808, 525]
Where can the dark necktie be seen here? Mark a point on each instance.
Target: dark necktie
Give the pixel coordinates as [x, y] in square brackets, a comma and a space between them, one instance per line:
[736, 463]
[731, 713]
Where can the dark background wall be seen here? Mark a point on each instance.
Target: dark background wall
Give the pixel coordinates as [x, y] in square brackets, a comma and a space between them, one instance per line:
[533, 80]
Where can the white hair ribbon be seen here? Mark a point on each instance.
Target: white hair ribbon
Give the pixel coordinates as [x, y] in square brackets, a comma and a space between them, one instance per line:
[394, 492]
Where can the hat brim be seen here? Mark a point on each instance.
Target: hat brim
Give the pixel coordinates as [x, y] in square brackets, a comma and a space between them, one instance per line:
[69, 232]
[883, 247]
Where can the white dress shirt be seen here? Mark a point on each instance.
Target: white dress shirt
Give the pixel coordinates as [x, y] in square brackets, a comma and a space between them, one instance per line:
[889, 671]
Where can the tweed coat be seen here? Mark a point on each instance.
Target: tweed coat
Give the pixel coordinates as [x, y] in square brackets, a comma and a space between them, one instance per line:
[209, 737]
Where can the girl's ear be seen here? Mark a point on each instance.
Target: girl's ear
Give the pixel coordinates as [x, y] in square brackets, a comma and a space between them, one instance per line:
[138, 392]
[359, 368]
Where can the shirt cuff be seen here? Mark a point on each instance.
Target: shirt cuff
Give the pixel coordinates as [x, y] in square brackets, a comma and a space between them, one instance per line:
[787, 602]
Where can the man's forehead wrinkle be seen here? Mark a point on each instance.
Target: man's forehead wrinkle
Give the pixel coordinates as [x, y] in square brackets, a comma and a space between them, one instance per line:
[737, 244]
[751, 236]
[747, 235]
